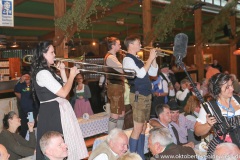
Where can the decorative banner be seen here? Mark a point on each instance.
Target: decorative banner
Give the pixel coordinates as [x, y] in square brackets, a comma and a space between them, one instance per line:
[6, 14]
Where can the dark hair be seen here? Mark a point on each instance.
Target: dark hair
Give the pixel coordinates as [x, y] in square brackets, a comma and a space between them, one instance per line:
[111, 41]
[40, 63]
[216, 82]
[130, 39]
[160, 108]
[6, 118]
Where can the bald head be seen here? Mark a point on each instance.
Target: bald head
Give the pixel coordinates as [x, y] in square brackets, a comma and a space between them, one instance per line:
[4, 155]
[226, 151]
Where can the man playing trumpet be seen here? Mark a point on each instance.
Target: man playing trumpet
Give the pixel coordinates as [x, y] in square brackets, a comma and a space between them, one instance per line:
[115, 84]
[140, 91]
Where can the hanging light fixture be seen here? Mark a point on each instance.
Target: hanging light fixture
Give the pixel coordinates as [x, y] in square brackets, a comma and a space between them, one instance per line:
[14, 44]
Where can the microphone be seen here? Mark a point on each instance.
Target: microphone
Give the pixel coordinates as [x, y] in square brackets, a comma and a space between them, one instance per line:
[180, 47]
[136, 96]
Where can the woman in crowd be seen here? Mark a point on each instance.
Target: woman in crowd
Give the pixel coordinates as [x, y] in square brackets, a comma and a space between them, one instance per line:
[16, 145]
[82, 94]
[225, 111]
[191, 110]
[55, 113]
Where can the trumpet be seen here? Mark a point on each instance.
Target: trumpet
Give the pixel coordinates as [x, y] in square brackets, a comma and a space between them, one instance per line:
[88, 67]
[159, 51]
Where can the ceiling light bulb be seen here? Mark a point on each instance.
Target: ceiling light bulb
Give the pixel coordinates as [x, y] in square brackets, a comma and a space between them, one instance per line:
[93, 43]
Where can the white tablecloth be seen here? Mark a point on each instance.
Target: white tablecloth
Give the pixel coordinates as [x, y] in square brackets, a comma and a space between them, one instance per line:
[96, 124]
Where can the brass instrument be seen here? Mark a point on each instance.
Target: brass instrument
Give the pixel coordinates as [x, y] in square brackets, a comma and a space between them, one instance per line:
[87, 67]
[160, 52]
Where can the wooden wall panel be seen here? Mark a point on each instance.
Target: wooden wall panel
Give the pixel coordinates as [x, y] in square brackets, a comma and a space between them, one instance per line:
[220, 53]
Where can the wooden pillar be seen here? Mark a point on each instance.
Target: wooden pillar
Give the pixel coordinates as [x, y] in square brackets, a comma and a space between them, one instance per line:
[147, 22]
[198, 42]
[232, 48]
[59, 11]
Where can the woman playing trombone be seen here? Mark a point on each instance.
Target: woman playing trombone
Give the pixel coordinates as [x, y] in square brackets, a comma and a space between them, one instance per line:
[55, 113]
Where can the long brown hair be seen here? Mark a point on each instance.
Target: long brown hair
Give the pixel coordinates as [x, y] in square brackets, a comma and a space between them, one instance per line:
[192, 103]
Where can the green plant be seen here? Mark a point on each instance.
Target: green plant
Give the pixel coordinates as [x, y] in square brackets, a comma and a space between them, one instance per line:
[209, 30]
[79, 14]
[165, 21]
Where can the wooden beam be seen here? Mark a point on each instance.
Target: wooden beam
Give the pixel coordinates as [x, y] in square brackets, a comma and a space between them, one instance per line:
[59, 37]
[33, 28]
[18, 2]
[233, 58]
[116, 24]
[51, 2]
[147, 20]
[37, 16]
[114, 10]
[22, 38]
[198, 42]
[59, 11]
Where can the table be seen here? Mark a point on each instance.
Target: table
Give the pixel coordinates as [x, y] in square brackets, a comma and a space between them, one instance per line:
[96, 124]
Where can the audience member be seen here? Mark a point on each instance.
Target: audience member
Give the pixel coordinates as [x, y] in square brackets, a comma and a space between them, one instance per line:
[226, 151]
[236, 85]
[82, 94]
[169, 77]
[216, 65]
[16, 145]
[181, 123]
[164, 120]
[4, 155]
[204, 86]
[130, 156]
[161, 145]
[160, 94]
[24, 94]
[111, 149]
[184, 93]
[53, 146]
[210, 71]
[192, 110]
[178, 126]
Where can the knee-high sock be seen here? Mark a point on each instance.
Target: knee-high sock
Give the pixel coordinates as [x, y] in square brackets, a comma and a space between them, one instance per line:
[112, 123]
[120, 122]
[133, 144]
[140, 146]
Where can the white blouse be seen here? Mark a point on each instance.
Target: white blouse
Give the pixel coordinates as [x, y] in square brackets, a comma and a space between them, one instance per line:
[202, 114]
[45, 79]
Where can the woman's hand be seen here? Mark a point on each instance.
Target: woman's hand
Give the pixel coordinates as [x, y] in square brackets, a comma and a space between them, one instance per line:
[210, 120]
[74, 71]
[60, 66]
[30, 126]
[80, 97]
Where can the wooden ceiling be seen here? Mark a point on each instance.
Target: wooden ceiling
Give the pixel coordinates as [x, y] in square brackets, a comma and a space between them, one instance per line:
[34, 22]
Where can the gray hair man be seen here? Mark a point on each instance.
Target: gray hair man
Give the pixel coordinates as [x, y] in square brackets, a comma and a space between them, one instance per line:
[52, 145]
[115, 146]
[226, 151]
[161, 145]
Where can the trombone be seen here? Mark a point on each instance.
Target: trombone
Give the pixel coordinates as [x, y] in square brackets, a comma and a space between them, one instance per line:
[88, 67]
[160, 52]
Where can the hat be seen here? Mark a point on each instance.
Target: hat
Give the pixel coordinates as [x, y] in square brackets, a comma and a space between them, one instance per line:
[173, 105]
[164, 65]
